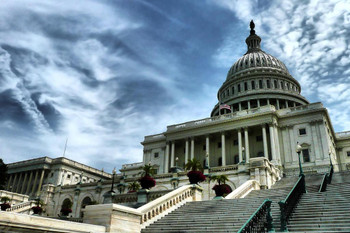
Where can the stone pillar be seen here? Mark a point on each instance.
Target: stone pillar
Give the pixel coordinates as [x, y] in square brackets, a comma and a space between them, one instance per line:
[192, 148]
[24, 182]
[223, 149]
[248, 104]
[240, 145]
[277, 104]
[272, 139]
[287, 104]
[167, 152]
[186, 151]
[40, 182]
[19, 183]
[294, 104]
[9, 183]
[14, 183]
[172, 154]
[29, 182]
[207, 145]
[239, 106]
[266, 151]
[268, 101]
[258, 102]
[277, 144]
[35, 181]
[246, 143]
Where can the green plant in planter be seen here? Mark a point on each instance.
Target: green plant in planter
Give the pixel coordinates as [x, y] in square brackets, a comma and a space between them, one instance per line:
[5, 205]
[38, 208]
[195, 174]
[146, 181]
[221, 189]
[133, 187]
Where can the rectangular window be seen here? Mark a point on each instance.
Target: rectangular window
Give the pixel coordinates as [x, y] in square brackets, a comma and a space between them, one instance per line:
[235, 142]
[281, 85]
[306, 155]
[227, 92]
[260, 84]
[302, 131]
[275, 83]
[68, 176]
[233, 90]
[236, 158]
[156, 155]
[348, 153]
[245, 86]
[268, 84]
[259, 138]
[219, 144]
[239, 87]
[253, 85]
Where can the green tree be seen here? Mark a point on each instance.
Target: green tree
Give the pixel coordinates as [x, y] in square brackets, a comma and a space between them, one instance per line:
[221, 179]
[147, 170]
[3, 174]
[194, 165]
[134, 186]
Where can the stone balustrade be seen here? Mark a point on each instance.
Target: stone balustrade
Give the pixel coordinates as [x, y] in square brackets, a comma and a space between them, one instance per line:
[22, 207]
[118, 218]
[244, 189]
[344, 134]
[15, 198]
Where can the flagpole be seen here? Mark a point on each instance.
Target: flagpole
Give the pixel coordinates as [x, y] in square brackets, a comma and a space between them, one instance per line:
[65, 148]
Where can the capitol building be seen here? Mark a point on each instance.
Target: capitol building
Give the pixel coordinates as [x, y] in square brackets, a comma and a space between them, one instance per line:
[250, 136]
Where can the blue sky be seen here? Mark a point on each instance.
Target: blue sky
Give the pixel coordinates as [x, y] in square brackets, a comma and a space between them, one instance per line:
[106, 73]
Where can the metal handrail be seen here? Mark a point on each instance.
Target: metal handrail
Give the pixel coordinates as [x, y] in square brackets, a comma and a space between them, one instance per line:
[327, 179]
[289, 203]
[260, 220]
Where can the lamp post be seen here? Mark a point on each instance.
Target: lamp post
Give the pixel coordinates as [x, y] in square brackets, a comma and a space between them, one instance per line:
[176, 160]
[113, 175]
[330, 158]
[298, 150]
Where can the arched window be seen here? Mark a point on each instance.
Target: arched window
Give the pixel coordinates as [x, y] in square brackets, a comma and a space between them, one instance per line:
[275, 83]
[245, 86]
[253, 85]
[260, 84]
[268, 84]
[66, 207]
[233, 90]
[86, 201]
[239, 87]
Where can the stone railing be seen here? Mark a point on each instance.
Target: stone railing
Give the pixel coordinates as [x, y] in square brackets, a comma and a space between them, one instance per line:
[15, 198]
[132, 197]
[226, 168]
[291, 110]
[244, 189]
[210, 120]
[19, 208]
[344, 134]
[118, 218]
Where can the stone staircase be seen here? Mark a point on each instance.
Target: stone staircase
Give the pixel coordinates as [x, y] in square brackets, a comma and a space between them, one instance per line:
[328, 211]
[323, 212]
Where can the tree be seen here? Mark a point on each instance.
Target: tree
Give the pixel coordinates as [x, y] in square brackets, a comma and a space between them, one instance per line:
[221, 179]
[146, 181]
[221, 189]
[133, 187]
[194, 165]
[3, 174]
[147, 170]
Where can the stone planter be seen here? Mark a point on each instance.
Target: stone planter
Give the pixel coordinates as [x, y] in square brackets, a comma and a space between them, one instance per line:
[195, 177]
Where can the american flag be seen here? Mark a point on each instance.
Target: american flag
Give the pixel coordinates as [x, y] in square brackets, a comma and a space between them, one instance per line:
[225, 106]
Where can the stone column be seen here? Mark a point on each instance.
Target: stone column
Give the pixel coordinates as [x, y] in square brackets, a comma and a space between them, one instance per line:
[35, 181]
[287, 104]
[19, 183]
[223, 150]
[268, 101]
[266, 151]
[9, 182]
[277, 141]
[167, 152]
[277, 104]
[29, 182]
[186, 150]
[248, 104]
[240, 145]
[24, 182]
[294, 104]
[207, 149]
[239, 106]
[192, 148]
[246, 143]
[272, 139]
[258, 102]
[40, 182]
[172, 154]
[14, 183]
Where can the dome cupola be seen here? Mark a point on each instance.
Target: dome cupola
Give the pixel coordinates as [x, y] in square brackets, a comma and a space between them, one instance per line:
[257, 79]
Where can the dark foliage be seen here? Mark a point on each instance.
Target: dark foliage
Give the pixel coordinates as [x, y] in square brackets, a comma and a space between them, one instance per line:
[222, 190]
[195, 177]
[147, 182]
